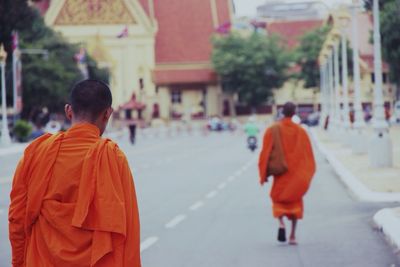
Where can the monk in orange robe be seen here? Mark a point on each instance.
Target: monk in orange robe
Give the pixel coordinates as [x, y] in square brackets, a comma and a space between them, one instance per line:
[288, 188]
[73, 201]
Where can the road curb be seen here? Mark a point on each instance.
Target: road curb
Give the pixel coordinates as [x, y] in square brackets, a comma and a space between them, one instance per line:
[388, 222]
[362, 192]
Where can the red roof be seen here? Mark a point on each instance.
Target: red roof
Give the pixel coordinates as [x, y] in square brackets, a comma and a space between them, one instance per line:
[145, 5]
[43, 6]
[184, 36]
[291, 31]
[184, 76]
[369, 59]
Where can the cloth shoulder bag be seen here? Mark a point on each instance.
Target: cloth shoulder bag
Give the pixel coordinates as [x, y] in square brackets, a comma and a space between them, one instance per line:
[277, 164]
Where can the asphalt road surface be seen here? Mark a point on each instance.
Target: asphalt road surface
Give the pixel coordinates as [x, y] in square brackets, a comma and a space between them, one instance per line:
[201, 206]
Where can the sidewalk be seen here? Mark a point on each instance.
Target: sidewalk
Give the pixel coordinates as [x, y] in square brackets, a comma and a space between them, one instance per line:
[14, 148]
[367, 183]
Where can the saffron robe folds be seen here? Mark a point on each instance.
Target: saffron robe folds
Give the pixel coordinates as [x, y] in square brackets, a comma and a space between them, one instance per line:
[289, 188]
[73, 203]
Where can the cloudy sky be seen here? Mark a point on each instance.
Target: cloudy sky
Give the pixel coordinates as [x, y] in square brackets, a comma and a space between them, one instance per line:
[248, 7]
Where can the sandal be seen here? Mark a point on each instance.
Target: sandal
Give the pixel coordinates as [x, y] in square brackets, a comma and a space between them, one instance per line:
[281, 235]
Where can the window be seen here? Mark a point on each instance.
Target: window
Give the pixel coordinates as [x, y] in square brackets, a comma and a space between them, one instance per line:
[141, 84]
[176, 96]
[385, 78]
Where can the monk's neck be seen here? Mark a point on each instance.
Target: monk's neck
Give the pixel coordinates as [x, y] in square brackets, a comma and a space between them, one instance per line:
[85, 127]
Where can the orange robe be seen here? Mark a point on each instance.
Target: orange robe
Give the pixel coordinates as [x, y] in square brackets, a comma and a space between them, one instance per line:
[288, 189]
[73, 203]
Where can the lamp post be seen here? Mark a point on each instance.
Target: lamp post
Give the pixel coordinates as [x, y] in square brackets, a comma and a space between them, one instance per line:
[344, 21]
[380, 152]
[359, 145]
[5, 135]
[331, 89]
[337, 120]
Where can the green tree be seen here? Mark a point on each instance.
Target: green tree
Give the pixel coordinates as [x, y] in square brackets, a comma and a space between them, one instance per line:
[250, 66]
[307, 55]
[389, 26]
[46, 80]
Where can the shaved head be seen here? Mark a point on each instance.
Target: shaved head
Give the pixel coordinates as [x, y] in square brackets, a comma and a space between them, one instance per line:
[289, 109]
[89, 98]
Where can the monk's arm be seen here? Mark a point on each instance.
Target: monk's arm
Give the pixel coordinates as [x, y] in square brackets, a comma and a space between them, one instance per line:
[132, 214]
[16, 216]
[264, 156]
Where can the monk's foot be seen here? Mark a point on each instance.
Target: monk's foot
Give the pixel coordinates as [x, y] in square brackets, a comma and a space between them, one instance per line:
[293, 242]
[282, 234]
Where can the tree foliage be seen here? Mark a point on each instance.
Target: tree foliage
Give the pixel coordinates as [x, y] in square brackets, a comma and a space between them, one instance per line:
[46, 80]
[389, 26]
[251, 66]
[307, 55]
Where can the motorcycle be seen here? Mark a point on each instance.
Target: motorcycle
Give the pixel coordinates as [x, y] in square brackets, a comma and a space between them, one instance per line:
[252, 143]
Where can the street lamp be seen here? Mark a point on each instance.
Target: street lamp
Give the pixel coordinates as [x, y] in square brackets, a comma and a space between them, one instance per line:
[5, 135]
[329, 48]
[359, 145]
[380, 152]
[337, 120]
[344, 19]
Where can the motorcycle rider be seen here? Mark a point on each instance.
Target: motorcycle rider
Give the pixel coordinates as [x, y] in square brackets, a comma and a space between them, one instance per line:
[251, 129]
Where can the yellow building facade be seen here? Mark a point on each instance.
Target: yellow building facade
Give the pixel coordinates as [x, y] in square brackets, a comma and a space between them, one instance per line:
[129, 58]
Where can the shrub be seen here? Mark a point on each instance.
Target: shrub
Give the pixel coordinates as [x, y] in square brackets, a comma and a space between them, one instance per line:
[22, 130]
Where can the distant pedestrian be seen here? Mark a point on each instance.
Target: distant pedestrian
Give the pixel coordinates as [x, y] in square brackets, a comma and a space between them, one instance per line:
[287, 156]
[73, 200]
[132, 130]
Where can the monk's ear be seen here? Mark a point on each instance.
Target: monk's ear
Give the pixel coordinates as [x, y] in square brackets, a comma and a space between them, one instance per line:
[108, 113]
[68, 111]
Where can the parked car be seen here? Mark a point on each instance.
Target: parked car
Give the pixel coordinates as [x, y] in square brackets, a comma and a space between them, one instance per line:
[395, 118]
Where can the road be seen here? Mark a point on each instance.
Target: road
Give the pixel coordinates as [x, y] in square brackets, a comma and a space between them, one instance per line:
[201, 206]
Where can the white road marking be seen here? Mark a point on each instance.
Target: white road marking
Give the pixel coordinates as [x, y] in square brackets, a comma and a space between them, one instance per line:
[222, 186]
[231, 178]
[148, 243]
[238, 173]
[175, 221]
[211, 194]
[196, 205]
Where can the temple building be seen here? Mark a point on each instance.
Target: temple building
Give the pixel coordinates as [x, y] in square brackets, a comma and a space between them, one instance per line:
[158, 52]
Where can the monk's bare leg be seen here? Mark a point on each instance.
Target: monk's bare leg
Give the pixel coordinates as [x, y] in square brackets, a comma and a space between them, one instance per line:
[281, 230]
[281, 222]
[292, 239]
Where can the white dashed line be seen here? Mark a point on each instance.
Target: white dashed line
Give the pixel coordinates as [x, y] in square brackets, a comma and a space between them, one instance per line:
[196, 205]
[211, 194]
[148, 243]
[238, 173]
[175, 221]
[231, 178]
[222, 186]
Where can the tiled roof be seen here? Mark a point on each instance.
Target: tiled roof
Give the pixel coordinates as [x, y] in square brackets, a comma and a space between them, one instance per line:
[43, 6]
[145, 5]
[165, 77]
[184, 36]
[291, 31]
[369, 60]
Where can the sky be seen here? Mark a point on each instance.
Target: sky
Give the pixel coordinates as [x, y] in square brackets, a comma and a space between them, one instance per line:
[248, 7]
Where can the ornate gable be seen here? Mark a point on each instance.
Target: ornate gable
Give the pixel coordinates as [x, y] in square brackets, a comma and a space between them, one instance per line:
[94, 12]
